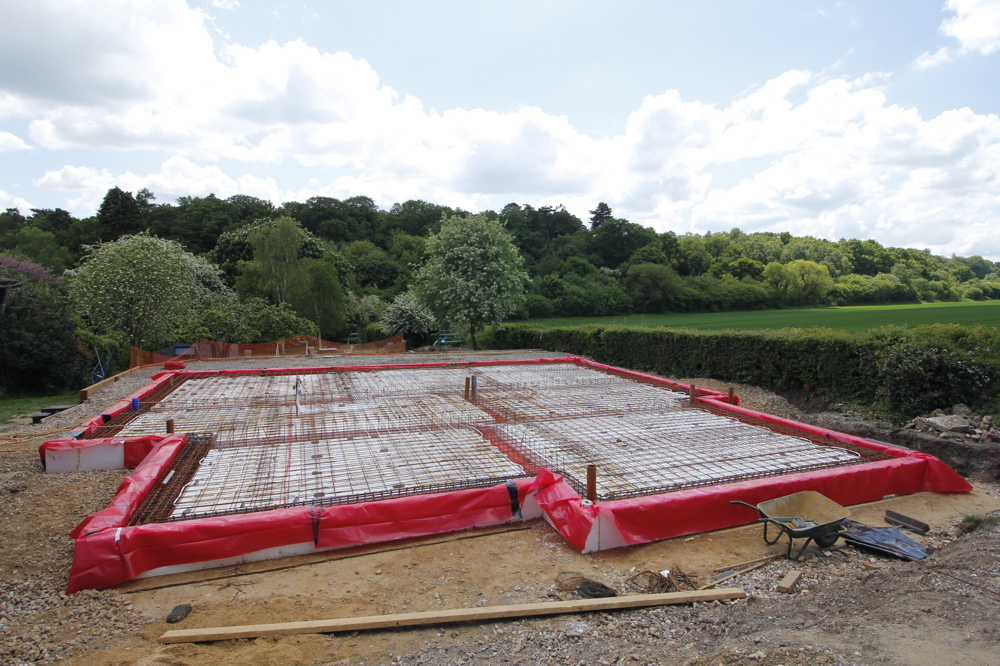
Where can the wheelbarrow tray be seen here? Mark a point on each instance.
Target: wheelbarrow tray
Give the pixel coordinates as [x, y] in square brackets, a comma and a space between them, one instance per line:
[821, 515]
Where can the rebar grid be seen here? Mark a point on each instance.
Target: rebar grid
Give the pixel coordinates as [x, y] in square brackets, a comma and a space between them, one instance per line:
[159, 502]
[642, 454]
[348, 436]
[333, 471]
[523, 404]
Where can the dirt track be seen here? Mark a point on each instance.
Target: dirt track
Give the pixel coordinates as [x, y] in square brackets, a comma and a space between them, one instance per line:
[850, 607]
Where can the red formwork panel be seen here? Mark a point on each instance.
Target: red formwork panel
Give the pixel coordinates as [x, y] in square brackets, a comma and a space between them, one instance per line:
[109, 551]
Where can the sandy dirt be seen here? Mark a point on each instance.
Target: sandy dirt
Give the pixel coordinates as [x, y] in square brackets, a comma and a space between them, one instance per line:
[850, 607]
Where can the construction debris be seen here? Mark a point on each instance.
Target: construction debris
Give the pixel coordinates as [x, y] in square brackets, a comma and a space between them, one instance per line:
[178, 613]
[885, 540]
[899, 520]
[790, 580]
[574, 581]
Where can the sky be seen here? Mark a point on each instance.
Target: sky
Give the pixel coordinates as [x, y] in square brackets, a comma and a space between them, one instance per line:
[850, 119]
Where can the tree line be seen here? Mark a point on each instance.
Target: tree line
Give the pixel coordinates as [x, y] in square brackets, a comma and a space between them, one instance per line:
[244, 270]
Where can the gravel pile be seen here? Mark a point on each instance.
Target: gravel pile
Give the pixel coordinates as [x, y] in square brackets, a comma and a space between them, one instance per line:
[39, 624]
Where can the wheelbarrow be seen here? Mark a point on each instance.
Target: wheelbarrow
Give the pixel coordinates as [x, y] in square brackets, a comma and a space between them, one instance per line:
[807, 515]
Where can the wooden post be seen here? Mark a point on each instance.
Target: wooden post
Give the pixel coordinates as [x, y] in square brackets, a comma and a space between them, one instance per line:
[691, 392]
[732, 395]
[170, 426]
[592, 482]
[468, 383]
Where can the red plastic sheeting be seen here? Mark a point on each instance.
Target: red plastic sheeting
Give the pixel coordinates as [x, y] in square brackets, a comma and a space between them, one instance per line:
[646, 519]
[108, 552]
[136, 448]
[702, 393]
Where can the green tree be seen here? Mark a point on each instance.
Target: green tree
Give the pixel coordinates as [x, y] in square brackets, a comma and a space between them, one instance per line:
[614, 241]
[319, 296]
[119, 215]
[819, 251]
[407, 315]
[197, 222]
[474, 275]
[600, 215]
[279, 272]
[42, 247]
[653, 287]
[140, 285]
[236, 246]
[800, 282]
[245, 321]
[414, 217]
[359, 311]
[867, 257]
[39, 353]
[274, 270]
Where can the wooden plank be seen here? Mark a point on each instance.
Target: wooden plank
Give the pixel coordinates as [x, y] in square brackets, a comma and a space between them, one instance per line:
[445, 616]
[85, 393]
[789, 582]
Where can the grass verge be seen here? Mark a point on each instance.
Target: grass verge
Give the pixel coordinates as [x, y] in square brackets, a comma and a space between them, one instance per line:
[11, 408]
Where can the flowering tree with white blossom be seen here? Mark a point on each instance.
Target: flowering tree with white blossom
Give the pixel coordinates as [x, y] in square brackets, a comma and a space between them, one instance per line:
[142, 286]
[474, 274]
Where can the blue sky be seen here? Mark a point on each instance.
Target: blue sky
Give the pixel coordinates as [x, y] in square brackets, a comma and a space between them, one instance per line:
[833, 119]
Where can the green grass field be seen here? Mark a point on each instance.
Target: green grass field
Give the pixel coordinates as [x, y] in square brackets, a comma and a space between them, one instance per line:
[11, 408]
[854, 318]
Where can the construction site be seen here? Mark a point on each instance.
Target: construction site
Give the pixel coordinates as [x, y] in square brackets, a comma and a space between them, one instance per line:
[239, 470]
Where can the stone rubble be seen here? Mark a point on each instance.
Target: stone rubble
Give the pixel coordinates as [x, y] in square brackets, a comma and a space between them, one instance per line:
[956, 423]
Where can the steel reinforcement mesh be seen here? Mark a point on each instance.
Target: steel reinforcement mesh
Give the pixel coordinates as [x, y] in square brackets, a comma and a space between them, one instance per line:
[347, 436]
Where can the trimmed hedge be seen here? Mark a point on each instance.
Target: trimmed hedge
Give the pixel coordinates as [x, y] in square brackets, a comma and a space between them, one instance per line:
[908, 371]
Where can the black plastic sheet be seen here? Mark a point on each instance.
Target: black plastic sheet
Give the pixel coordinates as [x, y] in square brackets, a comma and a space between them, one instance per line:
[885, 540]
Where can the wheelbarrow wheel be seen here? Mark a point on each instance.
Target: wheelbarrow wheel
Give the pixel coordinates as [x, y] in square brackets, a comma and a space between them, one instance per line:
[827, 540]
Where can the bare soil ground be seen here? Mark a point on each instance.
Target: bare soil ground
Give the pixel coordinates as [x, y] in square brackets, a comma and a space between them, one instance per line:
[851, 607]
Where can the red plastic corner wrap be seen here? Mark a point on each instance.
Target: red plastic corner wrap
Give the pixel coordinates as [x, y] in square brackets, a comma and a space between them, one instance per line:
[109, 552]
[136, 448]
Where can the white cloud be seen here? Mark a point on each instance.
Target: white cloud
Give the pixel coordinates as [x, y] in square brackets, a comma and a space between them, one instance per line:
[825, 156]
[867, 168]
[8, 200]
[926, 60]
[10, 141]
[976, 24]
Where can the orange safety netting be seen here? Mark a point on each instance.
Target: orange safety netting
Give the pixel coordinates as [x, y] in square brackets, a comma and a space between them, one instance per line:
[299, 345]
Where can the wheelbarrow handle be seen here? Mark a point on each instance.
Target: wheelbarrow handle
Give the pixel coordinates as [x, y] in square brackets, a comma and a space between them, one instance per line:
[749, 506]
